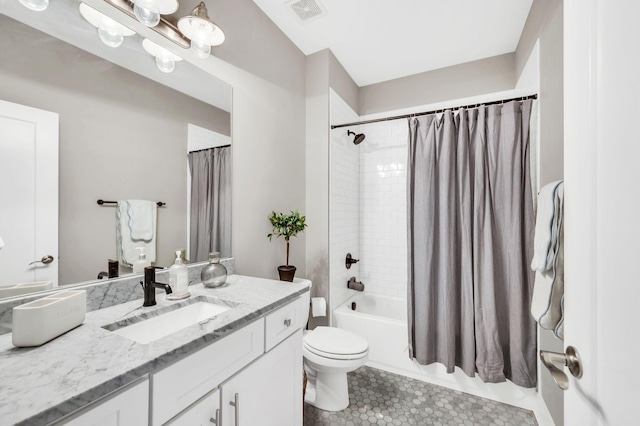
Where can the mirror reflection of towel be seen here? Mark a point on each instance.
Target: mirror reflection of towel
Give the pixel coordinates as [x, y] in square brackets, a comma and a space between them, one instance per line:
[141, 219]
[125, 244]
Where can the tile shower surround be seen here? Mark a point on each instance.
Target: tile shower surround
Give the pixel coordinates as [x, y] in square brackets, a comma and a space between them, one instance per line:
[380, 398]
[383, 207]
[368, 209]
[344, 214]
[105, 293]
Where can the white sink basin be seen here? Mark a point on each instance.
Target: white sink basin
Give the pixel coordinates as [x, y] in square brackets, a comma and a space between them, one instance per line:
[165, 324]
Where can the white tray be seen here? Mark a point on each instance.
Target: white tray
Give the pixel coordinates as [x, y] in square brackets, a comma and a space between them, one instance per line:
[37, 322]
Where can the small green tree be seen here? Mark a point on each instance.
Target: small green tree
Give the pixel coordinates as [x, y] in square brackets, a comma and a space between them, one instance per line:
[287, 226]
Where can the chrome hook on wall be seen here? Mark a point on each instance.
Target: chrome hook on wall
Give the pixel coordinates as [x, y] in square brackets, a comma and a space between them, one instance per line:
[569, 359]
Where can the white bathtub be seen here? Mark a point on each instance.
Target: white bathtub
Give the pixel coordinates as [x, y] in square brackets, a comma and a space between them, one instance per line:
[382, 321]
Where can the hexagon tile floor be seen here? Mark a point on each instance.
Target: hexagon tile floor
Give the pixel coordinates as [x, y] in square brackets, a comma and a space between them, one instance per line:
[381, 398]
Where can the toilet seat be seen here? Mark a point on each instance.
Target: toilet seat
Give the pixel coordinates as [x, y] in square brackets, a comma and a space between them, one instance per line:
[335, 343]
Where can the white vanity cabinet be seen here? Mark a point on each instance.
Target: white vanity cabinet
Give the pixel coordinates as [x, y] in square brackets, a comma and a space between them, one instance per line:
[125, 407]
[269, 391]
[181, 384]
[253, 375]
[205, 412]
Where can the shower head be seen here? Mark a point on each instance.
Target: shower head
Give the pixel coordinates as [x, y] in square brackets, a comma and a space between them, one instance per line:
[358, 137]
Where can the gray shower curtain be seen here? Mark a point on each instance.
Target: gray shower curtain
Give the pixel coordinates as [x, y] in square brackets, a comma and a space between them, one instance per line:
[470, 220]
[210, 203]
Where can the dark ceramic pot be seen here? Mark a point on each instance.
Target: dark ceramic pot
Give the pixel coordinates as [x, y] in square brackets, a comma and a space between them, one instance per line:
[286, 272]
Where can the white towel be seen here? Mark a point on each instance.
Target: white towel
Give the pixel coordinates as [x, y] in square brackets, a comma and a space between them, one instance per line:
[141, 219]
[559, 330]
[125, 244]
[548, 288]
[546, 229]
[548, 292]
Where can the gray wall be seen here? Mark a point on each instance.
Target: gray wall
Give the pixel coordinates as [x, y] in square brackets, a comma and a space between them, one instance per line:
[121, 136]
[323, 71]
[267, 72]
[545, 24]
[317, 170]
[459, 81]
[342, 83]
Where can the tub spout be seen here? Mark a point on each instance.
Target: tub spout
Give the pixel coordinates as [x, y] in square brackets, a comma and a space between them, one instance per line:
[355, 285]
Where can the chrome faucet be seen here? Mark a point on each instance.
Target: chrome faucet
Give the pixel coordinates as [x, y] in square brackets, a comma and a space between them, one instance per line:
[149, 286]
[355, 285]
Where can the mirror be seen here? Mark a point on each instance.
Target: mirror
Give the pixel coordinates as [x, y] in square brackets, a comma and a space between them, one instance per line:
[122, 134]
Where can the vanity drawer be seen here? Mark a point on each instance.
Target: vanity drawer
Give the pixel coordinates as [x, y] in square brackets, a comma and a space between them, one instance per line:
[181, 384]
[283, 322]
[125, 406]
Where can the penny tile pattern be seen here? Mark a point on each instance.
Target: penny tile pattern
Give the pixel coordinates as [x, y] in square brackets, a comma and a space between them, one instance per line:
[381, 398]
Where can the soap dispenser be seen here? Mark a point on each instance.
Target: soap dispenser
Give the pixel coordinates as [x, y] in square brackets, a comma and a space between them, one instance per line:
[178, 279]
[214, 274]
[141, 262]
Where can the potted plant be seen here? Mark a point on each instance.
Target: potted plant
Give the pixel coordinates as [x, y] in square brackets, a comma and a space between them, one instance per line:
[287, 226]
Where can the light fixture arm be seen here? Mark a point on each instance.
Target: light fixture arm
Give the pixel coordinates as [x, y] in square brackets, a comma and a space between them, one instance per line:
[164, 27]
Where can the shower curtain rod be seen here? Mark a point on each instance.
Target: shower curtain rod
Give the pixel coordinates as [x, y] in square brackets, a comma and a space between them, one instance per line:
[415, 114]
[213, 147]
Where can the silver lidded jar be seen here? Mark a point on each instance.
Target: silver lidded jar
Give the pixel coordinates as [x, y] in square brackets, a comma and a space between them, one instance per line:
[214, 274]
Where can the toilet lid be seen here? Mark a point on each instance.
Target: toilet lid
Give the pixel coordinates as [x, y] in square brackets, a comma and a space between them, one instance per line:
[328, 341]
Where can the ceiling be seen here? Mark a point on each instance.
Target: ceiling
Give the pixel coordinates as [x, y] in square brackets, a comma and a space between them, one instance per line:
[380, 40]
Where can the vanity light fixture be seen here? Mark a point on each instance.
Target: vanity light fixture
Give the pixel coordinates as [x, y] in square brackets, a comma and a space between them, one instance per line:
[165, 60]
[195, 30]
[111, 33]
[148, 11]
[37, 5]
[201, 30]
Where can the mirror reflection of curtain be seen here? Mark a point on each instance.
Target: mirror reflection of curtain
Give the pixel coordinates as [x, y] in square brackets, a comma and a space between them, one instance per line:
[210, 202]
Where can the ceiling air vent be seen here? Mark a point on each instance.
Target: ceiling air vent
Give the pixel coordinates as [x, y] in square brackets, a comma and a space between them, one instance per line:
[306, 9]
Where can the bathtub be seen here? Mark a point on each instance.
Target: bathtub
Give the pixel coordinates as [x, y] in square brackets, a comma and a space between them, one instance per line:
[382, 321]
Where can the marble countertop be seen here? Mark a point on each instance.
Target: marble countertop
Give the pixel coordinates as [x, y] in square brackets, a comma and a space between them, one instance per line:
[41, 384]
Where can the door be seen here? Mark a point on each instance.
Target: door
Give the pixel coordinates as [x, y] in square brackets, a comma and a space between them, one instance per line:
[28, 194]
[269, 391]
[205, 412]
[602, 210]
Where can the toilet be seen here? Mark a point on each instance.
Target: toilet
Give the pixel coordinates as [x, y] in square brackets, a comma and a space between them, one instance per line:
[329, 354]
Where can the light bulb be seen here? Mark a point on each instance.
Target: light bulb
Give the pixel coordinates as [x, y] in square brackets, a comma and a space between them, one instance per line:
[201, 48]
[37, 5]
[147, 12]
[165, 64]
[109, 33]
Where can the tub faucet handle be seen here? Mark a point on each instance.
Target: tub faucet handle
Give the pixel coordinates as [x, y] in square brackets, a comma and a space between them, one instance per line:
[355, 285]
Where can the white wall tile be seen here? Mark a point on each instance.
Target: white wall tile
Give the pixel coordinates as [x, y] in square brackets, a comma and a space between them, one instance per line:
[368, 206]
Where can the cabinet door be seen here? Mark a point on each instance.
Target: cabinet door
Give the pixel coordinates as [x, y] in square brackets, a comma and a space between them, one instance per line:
[181, 384]
[123, 408]
[205, 412]
[269, 391]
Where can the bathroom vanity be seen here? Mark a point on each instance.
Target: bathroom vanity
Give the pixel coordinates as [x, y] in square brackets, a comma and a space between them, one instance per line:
[241, 367]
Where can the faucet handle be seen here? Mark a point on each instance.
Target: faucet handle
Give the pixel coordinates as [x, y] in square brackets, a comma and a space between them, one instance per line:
[349, 260]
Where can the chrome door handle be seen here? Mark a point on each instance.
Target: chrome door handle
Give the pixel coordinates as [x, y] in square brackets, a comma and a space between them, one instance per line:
[215, 420]
[45, 259]
[236, 404]
[569, 359]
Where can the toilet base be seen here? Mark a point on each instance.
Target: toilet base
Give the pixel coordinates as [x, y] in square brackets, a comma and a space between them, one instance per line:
[327, 391]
